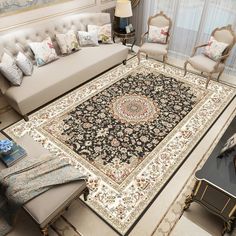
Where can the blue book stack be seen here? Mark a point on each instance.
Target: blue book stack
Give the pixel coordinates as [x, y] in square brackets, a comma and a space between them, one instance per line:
[17, 154]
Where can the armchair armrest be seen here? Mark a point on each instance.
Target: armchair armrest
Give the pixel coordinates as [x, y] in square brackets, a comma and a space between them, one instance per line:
[223, 57]
[168, 40]
[142, 37]
[220, 60]
[199, 46]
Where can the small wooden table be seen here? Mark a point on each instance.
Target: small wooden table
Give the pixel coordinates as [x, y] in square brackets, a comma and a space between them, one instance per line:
[215, 188]
[124, 37]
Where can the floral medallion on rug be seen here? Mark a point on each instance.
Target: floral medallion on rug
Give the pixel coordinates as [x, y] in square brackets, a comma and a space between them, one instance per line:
[129, 130]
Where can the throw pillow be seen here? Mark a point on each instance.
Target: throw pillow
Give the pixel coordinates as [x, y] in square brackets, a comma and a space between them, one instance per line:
[215, 49]
[88, 38]
[157, 34]
[104, 32]
[44, 51]
[24, 64]
[68, 42]
[10, 70]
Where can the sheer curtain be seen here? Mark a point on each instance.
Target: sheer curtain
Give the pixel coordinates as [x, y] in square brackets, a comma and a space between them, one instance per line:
[193, 22]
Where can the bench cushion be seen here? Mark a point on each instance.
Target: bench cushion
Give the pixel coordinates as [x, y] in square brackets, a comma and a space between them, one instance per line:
[45, 207]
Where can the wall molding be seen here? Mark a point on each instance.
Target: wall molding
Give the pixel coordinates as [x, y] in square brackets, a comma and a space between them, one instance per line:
[52, 11]
[30, 8]
[46, 17]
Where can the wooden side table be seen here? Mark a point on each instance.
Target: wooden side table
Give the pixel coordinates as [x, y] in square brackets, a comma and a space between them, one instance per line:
[124, 37]
[215, 188]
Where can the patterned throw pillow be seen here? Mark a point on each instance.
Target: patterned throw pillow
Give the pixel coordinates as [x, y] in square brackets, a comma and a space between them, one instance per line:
[24, 63]
[157, 35]
[88, 38]
[44, 51]
[68, 42]
[10, 70]
[214, 49]
[104, 32]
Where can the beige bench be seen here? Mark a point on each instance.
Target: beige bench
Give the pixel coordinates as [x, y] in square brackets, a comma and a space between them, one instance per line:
[47, 207]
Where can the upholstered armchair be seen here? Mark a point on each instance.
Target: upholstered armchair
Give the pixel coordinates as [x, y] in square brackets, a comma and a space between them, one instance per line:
[205, 62]
[156, 45]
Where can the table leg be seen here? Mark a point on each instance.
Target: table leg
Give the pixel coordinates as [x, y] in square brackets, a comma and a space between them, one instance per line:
[133, 45]
[124, 42]
[188, 201]
[228, 226]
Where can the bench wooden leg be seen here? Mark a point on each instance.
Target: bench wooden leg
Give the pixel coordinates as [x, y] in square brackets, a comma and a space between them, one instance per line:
[26, 118]
[86, 193]
[44, 231]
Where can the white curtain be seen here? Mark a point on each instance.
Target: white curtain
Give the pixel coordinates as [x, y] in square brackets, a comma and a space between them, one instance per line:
[193, 22]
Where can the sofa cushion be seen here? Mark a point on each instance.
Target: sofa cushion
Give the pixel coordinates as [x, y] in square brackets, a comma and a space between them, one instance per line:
[104, 32]
[88, 38]
[54, 79]
[10, 70]
[44, 51]
[24, 63]
[68, 42]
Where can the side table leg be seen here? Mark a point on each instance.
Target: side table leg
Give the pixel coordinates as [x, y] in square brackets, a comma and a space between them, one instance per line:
[188, 201]
[124, 42]
[228, 226]
[44, 231]
[190, 197]
[133, 45]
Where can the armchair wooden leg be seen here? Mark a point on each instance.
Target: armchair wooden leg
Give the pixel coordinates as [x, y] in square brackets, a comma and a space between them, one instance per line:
[208, 80]
[164, 60]
[146, 56]
[218, 77]
[138, 55]
[185, 67]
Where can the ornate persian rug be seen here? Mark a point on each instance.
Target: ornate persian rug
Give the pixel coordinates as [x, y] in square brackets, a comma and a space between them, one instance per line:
[129, 130]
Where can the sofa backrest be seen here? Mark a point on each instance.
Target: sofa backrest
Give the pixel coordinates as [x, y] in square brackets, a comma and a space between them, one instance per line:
[17, 39]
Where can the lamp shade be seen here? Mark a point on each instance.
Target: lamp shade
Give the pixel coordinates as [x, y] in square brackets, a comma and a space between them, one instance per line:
[123, 8]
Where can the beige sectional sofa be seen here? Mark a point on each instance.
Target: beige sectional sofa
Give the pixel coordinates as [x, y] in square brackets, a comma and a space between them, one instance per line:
[54, 79]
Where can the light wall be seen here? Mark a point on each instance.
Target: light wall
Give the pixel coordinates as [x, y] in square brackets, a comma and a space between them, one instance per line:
[73, 6]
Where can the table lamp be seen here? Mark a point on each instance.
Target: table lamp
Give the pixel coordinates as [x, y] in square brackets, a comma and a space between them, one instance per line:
[123, 11]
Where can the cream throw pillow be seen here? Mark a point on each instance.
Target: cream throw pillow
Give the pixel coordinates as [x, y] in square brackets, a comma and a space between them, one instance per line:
[88, 38]
[157, 34]
[44, 51]
[10, 70]
[215, 49]
[24, 63]
[104, 32]
[68, 42]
